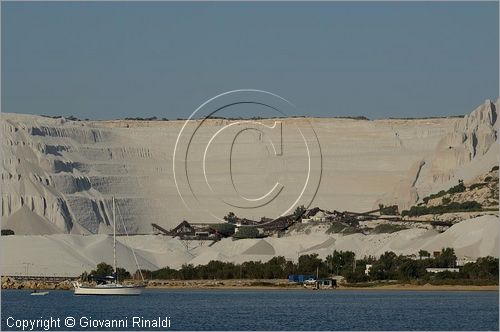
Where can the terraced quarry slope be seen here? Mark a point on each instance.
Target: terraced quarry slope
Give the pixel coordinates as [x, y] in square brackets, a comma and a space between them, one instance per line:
[58, 176]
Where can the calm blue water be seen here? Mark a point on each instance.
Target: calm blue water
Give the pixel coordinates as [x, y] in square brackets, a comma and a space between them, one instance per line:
[269, 310]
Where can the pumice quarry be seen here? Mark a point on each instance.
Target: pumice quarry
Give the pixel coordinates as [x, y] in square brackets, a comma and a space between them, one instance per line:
[386, 185]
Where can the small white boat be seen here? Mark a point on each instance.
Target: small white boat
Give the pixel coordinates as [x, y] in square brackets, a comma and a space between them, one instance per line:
[110, 285]
[35, 293]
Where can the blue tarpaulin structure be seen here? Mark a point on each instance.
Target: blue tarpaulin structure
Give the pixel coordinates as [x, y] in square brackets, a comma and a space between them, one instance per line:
[299, 277]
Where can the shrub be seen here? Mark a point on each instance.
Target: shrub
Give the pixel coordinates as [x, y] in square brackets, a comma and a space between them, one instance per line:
[446, 275]
[356, 276]
[440, 209]
[387, 228]
[484, 268]
[459, 188]
[428, 198]
[7, 232]
[230, 218]
[388, 210]
[446, 258]
[299, 211]
[103, 269]
[224, 229]
[350, 230]
[410, 269]
[477, 185]
[246, 233]
[335, 227]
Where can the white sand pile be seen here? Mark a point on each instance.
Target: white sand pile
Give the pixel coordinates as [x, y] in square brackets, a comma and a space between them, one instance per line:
[161, 253]
[207, 256]
[63, 254]
[476, 237]
[26, 222]
[260, 248]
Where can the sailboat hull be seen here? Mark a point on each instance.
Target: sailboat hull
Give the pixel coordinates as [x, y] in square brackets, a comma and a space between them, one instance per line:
[110, 289]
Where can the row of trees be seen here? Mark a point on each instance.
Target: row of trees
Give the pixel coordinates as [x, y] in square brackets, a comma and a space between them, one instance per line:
[104, 269]
[388, 266]
[459, 188]
[440, 209]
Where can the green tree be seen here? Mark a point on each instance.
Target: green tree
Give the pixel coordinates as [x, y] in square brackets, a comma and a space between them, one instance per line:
[410, 269]
[299, 211]
[423, 253]
[103, 269]
[224, 229]
[246, 233]
[309, 263]
[84, 276]
[122, 274]
[446, 258]
[340, 261]
[230, 218]
[388, 210]
[483, 268]
[356, 273]
[385, 267]
[459, 188]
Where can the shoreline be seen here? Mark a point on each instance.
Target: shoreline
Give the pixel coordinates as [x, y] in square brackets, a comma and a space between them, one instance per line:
[459, 288]
[247, 284]
[426, 287]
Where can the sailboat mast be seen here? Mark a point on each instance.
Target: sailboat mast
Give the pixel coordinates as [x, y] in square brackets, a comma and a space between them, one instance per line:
[114, 240]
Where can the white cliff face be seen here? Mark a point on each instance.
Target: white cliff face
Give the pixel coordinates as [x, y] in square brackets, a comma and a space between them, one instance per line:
[469, 150]
[66, 172]
[472, 138]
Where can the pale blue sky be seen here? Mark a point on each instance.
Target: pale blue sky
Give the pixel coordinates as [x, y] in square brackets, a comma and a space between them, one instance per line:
[116, 60]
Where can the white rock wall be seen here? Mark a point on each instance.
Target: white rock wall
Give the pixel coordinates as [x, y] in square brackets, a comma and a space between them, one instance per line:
[67, 171]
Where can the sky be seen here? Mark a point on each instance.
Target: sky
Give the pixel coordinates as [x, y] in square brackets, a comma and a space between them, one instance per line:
[121, 59]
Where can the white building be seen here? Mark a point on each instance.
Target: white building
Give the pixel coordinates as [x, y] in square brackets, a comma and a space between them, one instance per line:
[465, 260]
[368, 267]
[320, 216]
[442, 269]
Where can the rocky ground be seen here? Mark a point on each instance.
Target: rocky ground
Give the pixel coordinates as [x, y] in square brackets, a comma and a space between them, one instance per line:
[13, 283]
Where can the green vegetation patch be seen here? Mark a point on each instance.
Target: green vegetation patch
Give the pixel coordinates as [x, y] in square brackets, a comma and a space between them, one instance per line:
[388, 268]
[468, 206]
[387, 228]
[336, 227]
[351, 230]
[477, 185]
[7, 232]
[388, 210]
[224, 229]
[247, 233]
[460, 187]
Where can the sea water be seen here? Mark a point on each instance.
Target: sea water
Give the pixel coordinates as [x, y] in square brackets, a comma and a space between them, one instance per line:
[253, 310]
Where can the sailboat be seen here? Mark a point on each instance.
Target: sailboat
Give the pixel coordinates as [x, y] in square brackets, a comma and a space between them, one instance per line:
[110, 285]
